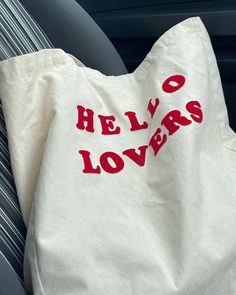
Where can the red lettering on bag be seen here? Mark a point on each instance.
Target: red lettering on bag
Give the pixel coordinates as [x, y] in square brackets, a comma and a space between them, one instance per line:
[85, 116]
[157, 141]
[152, 108]
[88, 168]
[119, 163]
[173, 83]
[107, 125]
[194, 108]
[173, 120]
[138, 158]
[134, 122]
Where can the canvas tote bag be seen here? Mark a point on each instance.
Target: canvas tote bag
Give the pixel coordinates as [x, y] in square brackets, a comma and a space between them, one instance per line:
[127, 184]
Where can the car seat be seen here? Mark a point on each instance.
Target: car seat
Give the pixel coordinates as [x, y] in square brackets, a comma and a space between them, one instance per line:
[68, 27]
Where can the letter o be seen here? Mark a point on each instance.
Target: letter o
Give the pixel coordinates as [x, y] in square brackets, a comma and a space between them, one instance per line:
[119, 163]
[177, 79]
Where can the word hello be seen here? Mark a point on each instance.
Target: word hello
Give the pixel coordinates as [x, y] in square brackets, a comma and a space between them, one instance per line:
[172, 121]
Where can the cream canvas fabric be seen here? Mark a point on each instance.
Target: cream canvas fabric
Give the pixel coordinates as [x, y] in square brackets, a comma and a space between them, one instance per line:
[126, 184]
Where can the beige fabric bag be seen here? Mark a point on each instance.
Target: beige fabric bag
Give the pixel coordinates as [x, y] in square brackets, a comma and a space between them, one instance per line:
[131, 179]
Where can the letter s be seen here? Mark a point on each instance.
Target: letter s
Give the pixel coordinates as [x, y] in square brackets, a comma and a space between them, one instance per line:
[194, 108]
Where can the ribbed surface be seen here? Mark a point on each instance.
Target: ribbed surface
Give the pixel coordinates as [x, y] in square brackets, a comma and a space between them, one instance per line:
[19, 34]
